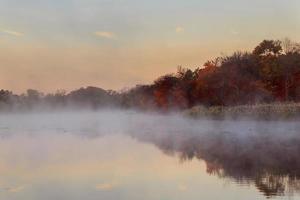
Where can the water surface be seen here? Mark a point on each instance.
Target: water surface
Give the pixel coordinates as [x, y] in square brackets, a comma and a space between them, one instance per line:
[128, 155]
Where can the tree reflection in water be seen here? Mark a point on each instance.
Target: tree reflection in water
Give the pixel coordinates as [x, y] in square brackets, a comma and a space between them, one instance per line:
[270, 161]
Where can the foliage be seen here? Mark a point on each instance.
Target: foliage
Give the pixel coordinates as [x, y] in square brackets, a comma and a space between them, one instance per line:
[270, 73]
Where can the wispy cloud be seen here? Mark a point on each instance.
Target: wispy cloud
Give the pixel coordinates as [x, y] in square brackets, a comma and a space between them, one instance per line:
[234, 32]
[182, 187]
[105, 34]
[179, 29]
[12, 33]
[14, 189]
[106, 186]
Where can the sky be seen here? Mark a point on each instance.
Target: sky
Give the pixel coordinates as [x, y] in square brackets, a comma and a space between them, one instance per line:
[116, 44]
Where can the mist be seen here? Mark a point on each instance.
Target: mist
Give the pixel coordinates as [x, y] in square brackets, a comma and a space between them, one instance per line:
[117, 121]
[263, 154]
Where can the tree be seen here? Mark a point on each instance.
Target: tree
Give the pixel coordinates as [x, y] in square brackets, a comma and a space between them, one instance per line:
[290, 47]
[268, 47]
[289, 67]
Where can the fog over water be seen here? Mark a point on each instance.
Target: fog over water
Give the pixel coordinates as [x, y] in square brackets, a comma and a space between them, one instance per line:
[132, 155]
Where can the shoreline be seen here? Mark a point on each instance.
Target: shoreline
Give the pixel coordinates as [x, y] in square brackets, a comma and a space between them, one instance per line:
[274, 111]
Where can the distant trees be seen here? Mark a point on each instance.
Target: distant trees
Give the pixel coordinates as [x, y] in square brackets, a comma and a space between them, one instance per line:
[7, 99]
[83, 98]
[90, 96]
[56, 100]
[271, 72]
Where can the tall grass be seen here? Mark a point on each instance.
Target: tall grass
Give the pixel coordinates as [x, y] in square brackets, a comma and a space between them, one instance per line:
[275, 111]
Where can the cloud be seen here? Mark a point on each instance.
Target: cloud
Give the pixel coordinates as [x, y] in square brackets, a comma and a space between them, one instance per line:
[12, 33]
[105, 34]
[234, 32]
[105, 186]
[182, 187]
[179, 29]
[14, 189]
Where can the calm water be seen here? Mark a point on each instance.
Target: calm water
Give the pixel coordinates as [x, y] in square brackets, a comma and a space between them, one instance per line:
[126, 155]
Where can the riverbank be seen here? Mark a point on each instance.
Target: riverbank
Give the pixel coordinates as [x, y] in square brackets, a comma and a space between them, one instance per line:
[276, 111]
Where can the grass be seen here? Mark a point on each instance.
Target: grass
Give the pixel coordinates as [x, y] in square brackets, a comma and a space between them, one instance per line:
[275, 111]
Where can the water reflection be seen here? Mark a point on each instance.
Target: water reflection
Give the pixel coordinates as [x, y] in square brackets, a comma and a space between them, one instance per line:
[270, 161]
[136, 156]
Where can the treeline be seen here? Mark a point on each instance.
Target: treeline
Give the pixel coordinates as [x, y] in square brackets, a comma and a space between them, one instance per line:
[270, 73]
[83, 98]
